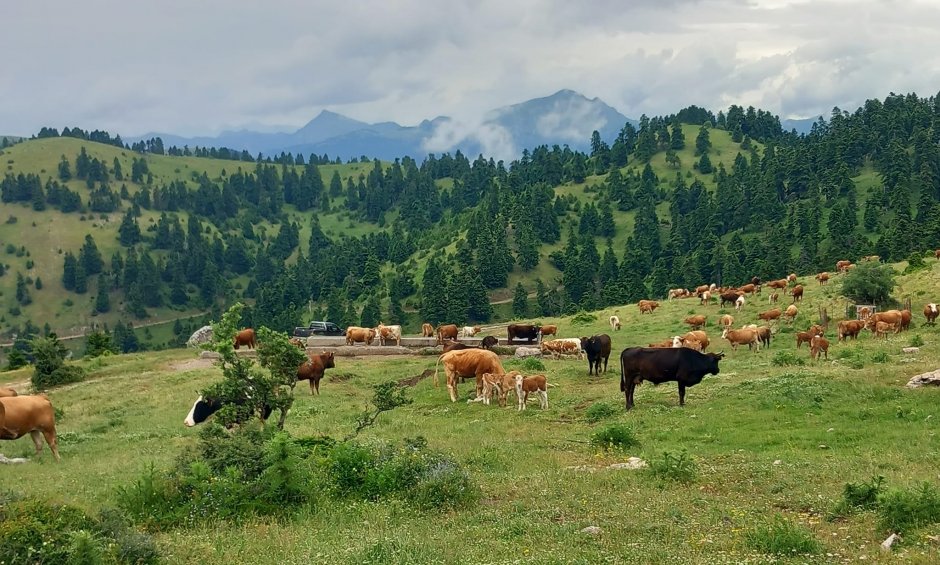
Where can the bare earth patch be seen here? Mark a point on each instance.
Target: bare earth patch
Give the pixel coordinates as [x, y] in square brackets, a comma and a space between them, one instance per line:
[192, 364]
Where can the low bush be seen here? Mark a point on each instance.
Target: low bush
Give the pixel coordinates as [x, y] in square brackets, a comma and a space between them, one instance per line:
[33, 531]
[526, 365]
[858, 496]
[782, 537]
[917, 341]
[786, 358]
[583, 318]
[614, 436]
[881, 357]
[680, 467]
[901, 510]
[63, 375]
[600, 411]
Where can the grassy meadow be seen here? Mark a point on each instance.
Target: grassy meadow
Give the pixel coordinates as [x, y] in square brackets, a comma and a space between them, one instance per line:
[768, 442]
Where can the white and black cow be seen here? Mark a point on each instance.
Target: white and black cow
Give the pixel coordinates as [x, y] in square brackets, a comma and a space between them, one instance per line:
[205, 407]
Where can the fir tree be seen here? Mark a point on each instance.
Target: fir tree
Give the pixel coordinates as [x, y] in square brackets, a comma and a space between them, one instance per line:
[22, 291]
[102, 300]
[520, 302]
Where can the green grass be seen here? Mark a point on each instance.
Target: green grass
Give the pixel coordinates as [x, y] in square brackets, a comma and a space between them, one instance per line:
[823, 423]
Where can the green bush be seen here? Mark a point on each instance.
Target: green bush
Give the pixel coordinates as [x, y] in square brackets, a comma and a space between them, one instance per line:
[63, 375]
[583, 318]
[869, 283]
[786, 358]
[901, 510]
[614, 436]
[917, 341]
[881, 357]
[600, 411]
[858, 496]
[782, 537]
[680, 468]
[527, 365]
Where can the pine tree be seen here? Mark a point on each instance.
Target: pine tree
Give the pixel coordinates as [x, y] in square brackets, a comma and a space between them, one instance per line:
[703, 143]
[90, 257]
[102, 300]
[520, 302]
[81, 279]
[129, 230]
[527, 251]
[371, 312]
[434, 298]
[68, 271]
[22, 291]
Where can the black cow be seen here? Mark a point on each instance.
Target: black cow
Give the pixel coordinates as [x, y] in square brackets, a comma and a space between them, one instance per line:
[205, 407]
[680, 364]
[523, 331]
[489, 342]
[596, 347]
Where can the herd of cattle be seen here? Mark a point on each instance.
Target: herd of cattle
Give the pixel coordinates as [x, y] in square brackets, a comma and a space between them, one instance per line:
[680, 358]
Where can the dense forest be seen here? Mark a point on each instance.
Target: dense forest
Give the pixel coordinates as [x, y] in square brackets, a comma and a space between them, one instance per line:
[445, 232]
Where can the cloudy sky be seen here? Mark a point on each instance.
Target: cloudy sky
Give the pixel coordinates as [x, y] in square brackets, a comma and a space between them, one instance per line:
[198, 67]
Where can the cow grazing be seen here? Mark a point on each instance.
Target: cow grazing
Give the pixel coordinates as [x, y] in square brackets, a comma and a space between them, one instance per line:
[697, 340]
[355, 334]
[489, 342]
[665, 344]
[739, 303]
[547, 330]
[892, 317]
[700, 289]
[678, 293]
[797, 293]
[468, 331]
[686, 367]
[427, 330]
[29, 414]
[388, 333]
[764, 335]
[533, 383]
[456, 346]
[726, 321]
[527, 332]
[729, 297]
[774, 297]
[770, 315]
[313, 368]
[882, 329]
[7, 392]
[791, 278]
[205, 407]
[778, 284]
[696, 322]
[748, 337]
[905, 324]
[818, 345]
[842, 266]
[445, 332]
[647, 306]
[245, 337]
[706, 298]
[806, 337]
[558, 347]
[931, 311]
[614, 322]
[748, 289]
[596, 347]
[501, 384]
[791, 313]
[823, 278]
[468, 363]
[850, 328]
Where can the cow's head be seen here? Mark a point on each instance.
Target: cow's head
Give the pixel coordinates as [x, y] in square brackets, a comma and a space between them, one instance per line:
[201, 410]
[327, 359]
[714, 358]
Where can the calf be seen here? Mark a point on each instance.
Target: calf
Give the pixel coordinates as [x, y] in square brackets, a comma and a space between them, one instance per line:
[817, 345]
[313, 368]
[565, 346]
[739, 303]
[469, 331]
[502, 385]
[747, 337]
[547, 330]
[29, 414]
[427, 330]
[850, 328]
[882, 329]
[931, 312]
[533, 383]
[797, 293]
[647, 306]
[805, 337]
[489, 342]
[614, 322]
[774, 297]
[695, 322]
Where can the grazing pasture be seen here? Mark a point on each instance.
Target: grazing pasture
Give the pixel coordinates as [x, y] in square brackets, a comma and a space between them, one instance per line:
[768, 443]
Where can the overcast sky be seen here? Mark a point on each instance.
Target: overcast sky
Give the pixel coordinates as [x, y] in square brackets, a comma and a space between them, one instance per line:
[198, 67]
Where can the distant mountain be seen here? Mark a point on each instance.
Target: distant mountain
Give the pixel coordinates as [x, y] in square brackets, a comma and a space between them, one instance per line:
[803, 125]
[565, 117]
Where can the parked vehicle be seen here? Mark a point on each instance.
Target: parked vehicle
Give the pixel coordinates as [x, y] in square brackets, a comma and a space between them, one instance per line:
[319, 328]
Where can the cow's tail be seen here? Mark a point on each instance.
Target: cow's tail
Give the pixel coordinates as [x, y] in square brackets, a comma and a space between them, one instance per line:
[435, 370]
[623, 375]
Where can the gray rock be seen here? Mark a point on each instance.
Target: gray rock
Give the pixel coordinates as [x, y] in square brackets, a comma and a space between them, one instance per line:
[925, 379]
[631, 463]
[200, 336]
[592, 530]
[886, 544]
[910, 349]
[522, 352]
[7, 461]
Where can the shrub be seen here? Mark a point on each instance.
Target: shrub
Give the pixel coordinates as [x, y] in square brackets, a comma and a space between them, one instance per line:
[881, 357]
[782, 537]
[614, 436]
[786, 358]
[901, 510]
[527, 365]
[680, 468]
[583, 318]
[600, 411]
[869, 283]
[859, 496]
[917, 341]
[50, 368]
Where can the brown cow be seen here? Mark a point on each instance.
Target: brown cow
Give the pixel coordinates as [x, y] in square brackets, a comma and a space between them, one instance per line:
[468, 363]
[905, 324]
[427, 330]
[807, 336]
[503, 385]
[850, 328]
[748, 289]
[823, 278]
[697, 340]
[791, 278]
[388, 333]
[797, 293]
[882, 329]
[29, 414]
[726, 321]
[245, 337]
[700, 289]
[448, 331]
[864, 312]
[842, 266]
[778, 284]
[706, 297]
[647, 306]
[355, 334]
[730, 296]
[662, 344]
[7, 392]
[747, 337]
[931, 311]
[818, 344]
[770, 315]
[532, 383]
[313, 368]
[936, 254]
[558, 347]
[696, 322]
[791, 313]
[892, 317]
[774, 297]
[548, 330]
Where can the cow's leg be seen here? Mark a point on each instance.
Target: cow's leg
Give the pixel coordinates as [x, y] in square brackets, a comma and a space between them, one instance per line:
[605, 363]
[53, 443]
[543, 399]
[628, 395]
[681, 394]
[37, 440]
